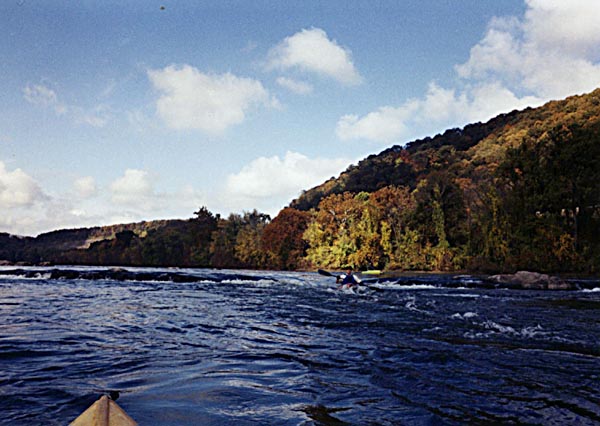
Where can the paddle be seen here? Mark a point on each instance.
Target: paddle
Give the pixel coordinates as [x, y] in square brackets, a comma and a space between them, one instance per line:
[326, 273]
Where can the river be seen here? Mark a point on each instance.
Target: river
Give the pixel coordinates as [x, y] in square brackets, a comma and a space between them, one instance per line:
[207, 347]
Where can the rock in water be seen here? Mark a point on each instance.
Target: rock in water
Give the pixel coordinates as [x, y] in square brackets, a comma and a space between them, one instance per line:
[532, 281]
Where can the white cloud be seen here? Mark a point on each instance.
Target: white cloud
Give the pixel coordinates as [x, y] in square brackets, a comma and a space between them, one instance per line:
[385, 124]
[571, 27]
[128, 207]
[18, 189]
[98, 116]
[439, 109]
[50, 214]
[497, 50]
[191, 99]
[85, 187]
[187, 199]
[41, 95]
[268, 183]
[299, 87]
[553, 52]
[38, 94]
[490, 99]
[550, 53]
[311, 50]
[479, 102]
[23, 203]
[27, 209]
[134, 189]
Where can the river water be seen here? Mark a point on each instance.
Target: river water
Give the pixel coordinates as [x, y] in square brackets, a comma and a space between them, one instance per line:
[205, 347]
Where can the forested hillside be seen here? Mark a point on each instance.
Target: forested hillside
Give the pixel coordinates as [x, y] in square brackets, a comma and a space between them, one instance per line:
[521, 191]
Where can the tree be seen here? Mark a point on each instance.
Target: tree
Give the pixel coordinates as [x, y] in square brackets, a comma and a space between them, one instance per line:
[329, 242]
[365, 234]
[248, 247]
[201, 229]
[441, 220]
[236, 243]
[282, 239]
[223, 241]
[396, 205]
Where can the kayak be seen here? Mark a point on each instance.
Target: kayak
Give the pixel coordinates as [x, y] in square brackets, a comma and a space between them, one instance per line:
[357, 283]
[367, 272]
[372, 272]
[104, 412]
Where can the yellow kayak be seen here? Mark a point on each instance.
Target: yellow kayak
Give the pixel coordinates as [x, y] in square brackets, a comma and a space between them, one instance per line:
[371, 272]
[104, 412]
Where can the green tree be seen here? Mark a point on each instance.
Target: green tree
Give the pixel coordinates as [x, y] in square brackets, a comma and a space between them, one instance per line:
[248, 244]
[441, 250]
[328, 236]
[496, 232]
[366, 235]
[223, 242]
[201, 229]
[441, 220]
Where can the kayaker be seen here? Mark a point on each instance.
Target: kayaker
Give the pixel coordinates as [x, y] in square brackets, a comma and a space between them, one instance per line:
[347, 280]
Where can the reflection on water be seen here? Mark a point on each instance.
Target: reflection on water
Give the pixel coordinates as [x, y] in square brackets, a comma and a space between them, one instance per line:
[188, 347]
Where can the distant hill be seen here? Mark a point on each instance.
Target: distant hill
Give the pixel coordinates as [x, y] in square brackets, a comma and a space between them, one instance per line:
[67, 239]
[45, 246]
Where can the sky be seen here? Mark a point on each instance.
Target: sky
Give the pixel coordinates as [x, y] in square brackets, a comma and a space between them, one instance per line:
[122, 111]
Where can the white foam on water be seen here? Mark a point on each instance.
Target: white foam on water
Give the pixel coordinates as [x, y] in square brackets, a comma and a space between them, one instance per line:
[359, 291]
[494, 326]
[316, 309]
[258, 283]
[405, 287]
[464, 316]
[468, 279]
[411, 305]
[36, 277]
[591, 290]
[465, 295]
[530, 332]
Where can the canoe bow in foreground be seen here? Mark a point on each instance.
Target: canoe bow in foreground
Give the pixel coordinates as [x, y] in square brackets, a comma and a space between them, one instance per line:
[104, 412]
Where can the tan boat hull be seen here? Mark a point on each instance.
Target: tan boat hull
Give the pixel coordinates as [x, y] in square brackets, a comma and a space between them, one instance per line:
[104, 412]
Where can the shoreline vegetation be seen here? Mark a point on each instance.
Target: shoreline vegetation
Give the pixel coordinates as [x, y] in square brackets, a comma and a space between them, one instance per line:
[518, 193]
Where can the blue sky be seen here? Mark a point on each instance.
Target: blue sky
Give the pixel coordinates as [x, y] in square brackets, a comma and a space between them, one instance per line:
[119, 111]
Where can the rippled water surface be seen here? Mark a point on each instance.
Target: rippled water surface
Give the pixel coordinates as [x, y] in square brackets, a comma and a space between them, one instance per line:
[215, 348]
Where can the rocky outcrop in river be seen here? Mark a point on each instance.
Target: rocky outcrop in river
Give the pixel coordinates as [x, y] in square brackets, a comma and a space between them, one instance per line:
[532, 281]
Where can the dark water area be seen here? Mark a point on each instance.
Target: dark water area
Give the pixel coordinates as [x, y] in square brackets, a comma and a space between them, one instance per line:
[204, 347]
